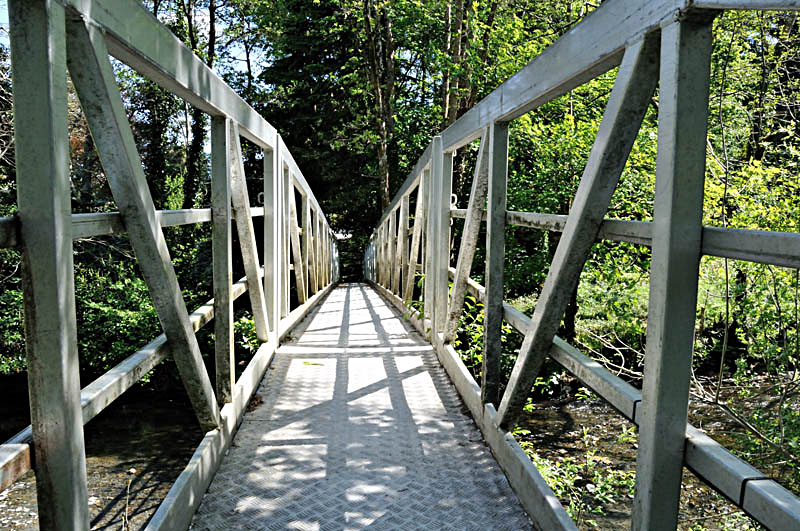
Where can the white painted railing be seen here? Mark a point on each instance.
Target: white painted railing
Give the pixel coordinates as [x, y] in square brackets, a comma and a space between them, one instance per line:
[47, 38]
[652, 41]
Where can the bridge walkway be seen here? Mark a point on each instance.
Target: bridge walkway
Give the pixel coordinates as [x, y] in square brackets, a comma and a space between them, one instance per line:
[357, 426]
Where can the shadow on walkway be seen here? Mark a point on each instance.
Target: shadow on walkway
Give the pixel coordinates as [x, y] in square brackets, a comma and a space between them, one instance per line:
[359, 428]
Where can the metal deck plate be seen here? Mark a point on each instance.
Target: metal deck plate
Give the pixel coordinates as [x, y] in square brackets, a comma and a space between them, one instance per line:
[357, 427]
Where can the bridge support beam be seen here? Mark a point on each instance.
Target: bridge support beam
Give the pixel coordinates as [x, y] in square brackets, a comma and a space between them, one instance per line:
[105, 113]
[416, 237]
[297, 254]
[495, 262]
[306, 244]
[633, 89]
[469, 239]
[286, 189]
[221, 248]
[677, 231]
[391, 249]
[441, 179]
[247, 237]
[402, 247]
[43, 192]
[272, 270]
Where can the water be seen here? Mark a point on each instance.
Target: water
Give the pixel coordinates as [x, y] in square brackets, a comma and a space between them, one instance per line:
[152, 432]
[155, 433]
[585, 440]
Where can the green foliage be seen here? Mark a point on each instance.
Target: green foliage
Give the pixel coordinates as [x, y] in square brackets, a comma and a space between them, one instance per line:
[469, 340]
[115, 316]
[12, 340]
[585, 484]
[244, 330]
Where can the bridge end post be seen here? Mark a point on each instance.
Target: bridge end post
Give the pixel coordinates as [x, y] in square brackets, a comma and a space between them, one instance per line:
[38, 49]
[221, 247]
[677, 231]
[495, 262]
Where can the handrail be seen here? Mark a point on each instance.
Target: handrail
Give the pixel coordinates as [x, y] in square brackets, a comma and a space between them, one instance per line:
[759, 246]
[107, 223]
[299, 250]
[635, 35]
[707, 458]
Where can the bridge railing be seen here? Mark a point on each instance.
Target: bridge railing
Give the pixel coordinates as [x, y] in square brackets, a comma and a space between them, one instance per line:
[651, 41]
[47, 39]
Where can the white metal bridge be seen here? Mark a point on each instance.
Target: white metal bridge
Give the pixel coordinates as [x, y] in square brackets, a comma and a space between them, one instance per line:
[402, 391]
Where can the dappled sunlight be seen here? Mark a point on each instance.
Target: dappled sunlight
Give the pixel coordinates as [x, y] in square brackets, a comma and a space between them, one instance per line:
[351, 437]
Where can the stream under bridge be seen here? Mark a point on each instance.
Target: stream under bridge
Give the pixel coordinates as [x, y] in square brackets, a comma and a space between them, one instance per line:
[361, 413]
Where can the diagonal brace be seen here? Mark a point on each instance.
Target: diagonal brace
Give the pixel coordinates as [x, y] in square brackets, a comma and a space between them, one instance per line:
[416, 237]
[297, 254]
[633, 88]
[247, 238]
[94, 80]
[469, 238]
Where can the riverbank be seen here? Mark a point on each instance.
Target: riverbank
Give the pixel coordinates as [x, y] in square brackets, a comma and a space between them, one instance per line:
[135, 449]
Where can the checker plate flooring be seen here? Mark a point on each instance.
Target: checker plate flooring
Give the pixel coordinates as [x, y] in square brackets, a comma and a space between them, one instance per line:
[358, 427]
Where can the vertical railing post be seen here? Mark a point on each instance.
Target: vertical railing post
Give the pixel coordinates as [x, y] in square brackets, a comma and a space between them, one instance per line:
[304, 206]
[677, 231]
[287, 188]
[391, 250]
[221, 250]
[318, 227]
[401, 263]
[372, 258]
[383, 252]
[430, 201]
[324, 253]
[495, 261]
[444, 165]
[365, 260]
[38, 48]
[272, 237]
[312, 253]
[330, 255]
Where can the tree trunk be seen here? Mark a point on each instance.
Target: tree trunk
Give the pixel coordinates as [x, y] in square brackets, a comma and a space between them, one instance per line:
[380, 70]
[456, 56]
[196, 163]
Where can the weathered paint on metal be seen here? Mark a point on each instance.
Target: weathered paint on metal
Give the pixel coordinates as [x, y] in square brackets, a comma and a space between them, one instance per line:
[222, 261]
[680, 174]
[629, 99]
[43, 197]
[97, 90]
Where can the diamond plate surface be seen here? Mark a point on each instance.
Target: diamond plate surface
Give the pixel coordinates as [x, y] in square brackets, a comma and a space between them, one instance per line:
[359, 428]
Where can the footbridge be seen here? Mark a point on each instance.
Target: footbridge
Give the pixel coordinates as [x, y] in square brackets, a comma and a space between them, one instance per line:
[361, 413]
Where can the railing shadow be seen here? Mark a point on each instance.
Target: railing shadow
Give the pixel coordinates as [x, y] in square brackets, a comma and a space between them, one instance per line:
[357, 437]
